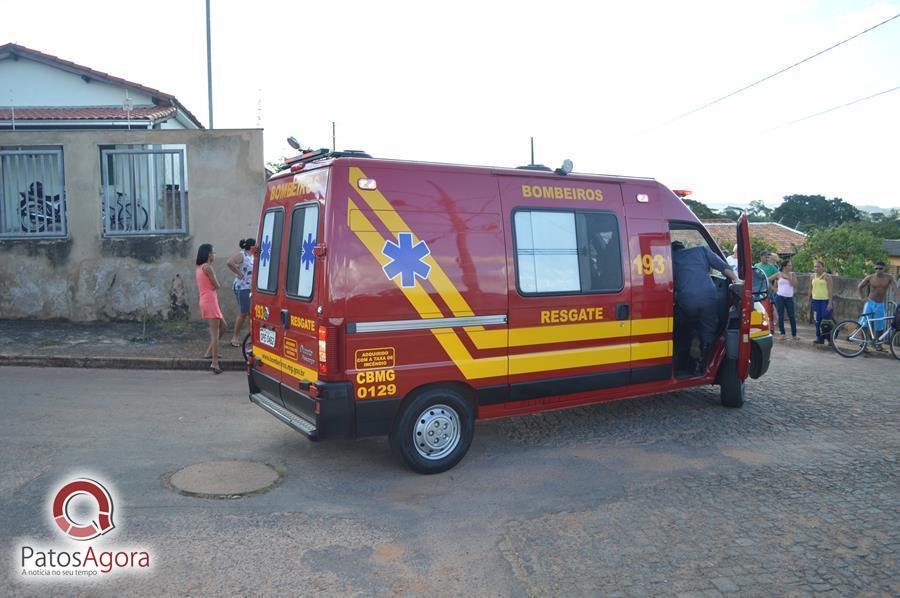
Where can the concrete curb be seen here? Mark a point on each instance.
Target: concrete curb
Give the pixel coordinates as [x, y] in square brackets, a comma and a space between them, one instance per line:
[122, 363]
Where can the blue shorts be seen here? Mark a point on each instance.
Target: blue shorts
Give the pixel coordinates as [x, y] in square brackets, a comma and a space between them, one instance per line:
[243, 299]
[876, 310]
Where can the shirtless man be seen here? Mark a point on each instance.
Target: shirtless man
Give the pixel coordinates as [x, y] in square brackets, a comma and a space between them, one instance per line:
[878, 284]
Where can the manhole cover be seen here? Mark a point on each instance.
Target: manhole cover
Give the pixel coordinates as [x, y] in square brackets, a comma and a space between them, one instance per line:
[224, 479]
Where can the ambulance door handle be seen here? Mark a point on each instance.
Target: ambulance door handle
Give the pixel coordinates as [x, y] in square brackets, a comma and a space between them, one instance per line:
[285, 319]
[622, 311]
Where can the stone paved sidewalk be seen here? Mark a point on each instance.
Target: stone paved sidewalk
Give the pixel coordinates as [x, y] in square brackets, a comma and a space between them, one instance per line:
[158, 345]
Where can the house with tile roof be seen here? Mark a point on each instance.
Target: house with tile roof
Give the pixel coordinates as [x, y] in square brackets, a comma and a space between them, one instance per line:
[892, 248]
[42, 91]
[107, 189]
[786, 240]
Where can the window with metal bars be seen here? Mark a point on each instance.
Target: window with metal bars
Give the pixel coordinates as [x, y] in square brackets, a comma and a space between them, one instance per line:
[32, 192]
[144, 191]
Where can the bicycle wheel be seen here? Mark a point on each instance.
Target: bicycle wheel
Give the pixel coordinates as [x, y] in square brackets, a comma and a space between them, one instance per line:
[143, 218]
[895, 344]
[33, 214]
[849, 338]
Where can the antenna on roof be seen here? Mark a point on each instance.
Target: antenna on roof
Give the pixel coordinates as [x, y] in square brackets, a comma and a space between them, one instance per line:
[259, 108]
[532, 151]
[128, 106]
[333, 137]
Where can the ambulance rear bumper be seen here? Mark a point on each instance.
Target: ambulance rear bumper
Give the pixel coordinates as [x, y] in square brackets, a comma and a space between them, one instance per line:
[333, 414]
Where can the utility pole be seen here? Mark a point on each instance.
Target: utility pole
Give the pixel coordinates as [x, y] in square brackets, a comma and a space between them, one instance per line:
[209, 66]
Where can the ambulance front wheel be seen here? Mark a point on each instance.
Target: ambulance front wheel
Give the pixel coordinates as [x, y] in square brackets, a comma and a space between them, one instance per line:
[731, 386]
[434, 430]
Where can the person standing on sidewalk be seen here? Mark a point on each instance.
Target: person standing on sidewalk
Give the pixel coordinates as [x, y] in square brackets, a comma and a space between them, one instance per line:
[822, 299]
[731, 260]
[878, 285]
[242, 265]
[771, 270]
[207, 284]
[784, 298]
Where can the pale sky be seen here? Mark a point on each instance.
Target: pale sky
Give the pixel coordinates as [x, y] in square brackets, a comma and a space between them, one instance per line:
[470, 82]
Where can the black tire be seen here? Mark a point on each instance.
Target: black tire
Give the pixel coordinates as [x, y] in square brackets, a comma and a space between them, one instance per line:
[895, 344]
[443, 411]
[848, 340]
[731, 387]
[245, 345]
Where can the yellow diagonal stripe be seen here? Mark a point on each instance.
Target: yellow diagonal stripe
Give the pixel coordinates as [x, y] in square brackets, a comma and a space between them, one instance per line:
[395, 223]
[492, 367]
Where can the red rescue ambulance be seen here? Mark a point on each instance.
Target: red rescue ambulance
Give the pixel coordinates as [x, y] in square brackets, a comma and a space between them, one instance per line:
[411, 299]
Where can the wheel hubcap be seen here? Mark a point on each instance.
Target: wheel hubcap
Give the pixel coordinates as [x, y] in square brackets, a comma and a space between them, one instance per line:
[437, 432]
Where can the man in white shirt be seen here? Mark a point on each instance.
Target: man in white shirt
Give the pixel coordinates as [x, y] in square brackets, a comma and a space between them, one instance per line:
[732, 259]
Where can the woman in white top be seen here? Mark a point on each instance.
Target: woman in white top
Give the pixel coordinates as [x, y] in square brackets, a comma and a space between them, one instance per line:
[784, 300]
[242, 266]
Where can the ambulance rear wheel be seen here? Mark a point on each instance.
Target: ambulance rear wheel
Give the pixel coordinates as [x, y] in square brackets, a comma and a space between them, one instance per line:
[434, 430]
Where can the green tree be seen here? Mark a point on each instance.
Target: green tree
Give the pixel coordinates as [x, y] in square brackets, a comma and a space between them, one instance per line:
[732, 212]
[847, 249]
[804, 212]
[759, 212]
[758, 245]
[885, 226]
[700, 210]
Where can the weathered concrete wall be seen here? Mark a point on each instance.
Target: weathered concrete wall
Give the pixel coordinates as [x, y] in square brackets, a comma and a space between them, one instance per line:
[88, 277]
[847, 304]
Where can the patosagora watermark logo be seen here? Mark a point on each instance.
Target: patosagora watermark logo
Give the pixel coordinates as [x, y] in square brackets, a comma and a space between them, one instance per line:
[91, 529]
[82, 513]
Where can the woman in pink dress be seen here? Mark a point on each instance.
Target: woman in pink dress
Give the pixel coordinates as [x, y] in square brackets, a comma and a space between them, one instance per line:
[207, 283]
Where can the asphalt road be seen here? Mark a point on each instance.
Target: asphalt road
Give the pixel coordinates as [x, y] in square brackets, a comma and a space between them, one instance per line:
[798, 492]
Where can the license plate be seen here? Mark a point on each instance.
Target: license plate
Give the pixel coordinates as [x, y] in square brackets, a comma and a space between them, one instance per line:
[267, 337]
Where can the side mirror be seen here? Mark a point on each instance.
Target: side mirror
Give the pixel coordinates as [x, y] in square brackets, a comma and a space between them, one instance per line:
[760, 288]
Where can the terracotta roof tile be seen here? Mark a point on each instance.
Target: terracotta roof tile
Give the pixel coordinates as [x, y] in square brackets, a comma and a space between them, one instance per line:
[152, 113]
[786, 240]
[162, 97]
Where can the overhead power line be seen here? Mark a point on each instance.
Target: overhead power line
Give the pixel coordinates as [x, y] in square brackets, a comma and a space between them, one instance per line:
[775, 74]
[874, 95]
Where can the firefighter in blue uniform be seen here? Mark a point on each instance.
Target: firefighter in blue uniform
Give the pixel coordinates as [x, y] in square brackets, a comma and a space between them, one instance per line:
[695, 294]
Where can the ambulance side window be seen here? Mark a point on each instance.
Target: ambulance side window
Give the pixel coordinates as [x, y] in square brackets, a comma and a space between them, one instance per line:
[567, 252]
[269, 258]
[301, 266]
[546, 252]
[604, 253]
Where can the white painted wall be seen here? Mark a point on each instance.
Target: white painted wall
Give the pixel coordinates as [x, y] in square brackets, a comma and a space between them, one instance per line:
[38, 85]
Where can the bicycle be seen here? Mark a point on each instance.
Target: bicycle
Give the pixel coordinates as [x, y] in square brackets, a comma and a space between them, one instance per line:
[38, 212]
[850, 338]
[122, 219]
